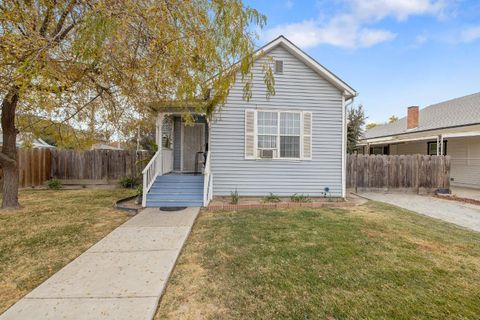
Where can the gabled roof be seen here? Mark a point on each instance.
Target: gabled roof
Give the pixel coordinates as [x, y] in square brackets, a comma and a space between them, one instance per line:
[34, 143]
[457, 112]
[348, 91]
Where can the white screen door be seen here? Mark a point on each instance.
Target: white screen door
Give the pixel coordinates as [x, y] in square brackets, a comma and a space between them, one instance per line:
[193, 142]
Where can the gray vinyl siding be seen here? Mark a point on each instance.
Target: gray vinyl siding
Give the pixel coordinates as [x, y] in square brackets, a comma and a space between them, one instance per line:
[177, 143]
[298, 88]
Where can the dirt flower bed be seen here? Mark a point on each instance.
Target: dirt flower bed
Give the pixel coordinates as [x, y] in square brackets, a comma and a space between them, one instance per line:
[459, 199]
[225, 203]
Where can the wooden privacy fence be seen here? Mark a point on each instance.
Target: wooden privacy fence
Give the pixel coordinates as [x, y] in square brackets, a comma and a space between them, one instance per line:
[407, 172]
[97, 164]
[34, 166]
[39, 165]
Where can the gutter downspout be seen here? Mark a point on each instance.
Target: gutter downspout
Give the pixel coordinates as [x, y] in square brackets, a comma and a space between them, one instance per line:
[344, 143]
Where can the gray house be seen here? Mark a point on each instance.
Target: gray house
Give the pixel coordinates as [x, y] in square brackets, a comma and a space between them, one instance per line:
[293, 142]
[447, 128]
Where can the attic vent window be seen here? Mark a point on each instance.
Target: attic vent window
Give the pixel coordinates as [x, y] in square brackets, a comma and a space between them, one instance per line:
[279, 66]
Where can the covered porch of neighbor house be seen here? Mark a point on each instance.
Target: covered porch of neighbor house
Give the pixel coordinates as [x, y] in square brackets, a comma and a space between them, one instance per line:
[179, 175]
[461, 144]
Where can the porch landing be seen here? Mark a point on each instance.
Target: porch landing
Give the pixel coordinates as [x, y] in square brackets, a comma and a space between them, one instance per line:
[176, 190]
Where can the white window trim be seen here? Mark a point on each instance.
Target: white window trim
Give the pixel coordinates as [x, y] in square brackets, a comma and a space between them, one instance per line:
[277, 150]
[256, 133]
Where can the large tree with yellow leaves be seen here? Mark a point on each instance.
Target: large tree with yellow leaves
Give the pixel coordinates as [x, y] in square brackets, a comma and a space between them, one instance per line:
[109, 60]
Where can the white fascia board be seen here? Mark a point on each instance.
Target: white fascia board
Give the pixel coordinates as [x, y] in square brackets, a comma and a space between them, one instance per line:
[461, 134]
[392, 140]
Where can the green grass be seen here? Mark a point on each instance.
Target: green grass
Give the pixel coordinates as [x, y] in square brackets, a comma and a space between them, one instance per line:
[51, 229]
[369, 262]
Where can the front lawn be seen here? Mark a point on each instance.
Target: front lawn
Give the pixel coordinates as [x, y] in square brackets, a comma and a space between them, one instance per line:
[51, 229]
[369, 262]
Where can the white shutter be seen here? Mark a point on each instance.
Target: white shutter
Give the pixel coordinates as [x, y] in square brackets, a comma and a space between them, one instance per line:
[307, 135]
[249, 134]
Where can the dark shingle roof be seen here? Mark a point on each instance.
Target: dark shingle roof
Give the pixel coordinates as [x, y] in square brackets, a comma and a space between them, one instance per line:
[456, 112]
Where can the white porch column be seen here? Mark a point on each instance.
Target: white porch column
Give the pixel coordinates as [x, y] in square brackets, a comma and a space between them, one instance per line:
[441, 145]
[158, 138]
[158, 129]
[438, 145]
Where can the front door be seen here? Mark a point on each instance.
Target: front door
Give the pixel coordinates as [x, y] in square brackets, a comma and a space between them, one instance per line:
[193, 142]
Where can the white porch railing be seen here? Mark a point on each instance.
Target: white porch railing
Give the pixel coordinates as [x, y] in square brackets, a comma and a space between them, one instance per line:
[207, 182]
[151, 171]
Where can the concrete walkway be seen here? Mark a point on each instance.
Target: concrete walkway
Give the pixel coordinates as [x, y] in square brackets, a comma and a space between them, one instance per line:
[120, 277]
[462, 214]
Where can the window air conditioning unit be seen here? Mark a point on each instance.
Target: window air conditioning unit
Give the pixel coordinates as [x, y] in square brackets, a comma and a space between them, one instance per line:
[266, 153]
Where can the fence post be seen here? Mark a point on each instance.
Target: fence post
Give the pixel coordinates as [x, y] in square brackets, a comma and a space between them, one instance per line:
[356, 173]
[447, 160]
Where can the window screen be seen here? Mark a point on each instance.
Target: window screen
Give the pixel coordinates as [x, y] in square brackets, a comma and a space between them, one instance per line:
[432, 148]
[267, 126]
[289, 135]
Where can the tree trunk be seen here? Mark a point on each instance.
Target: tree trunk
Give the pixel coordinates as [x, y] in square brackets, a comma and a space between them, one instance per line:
[8, 156]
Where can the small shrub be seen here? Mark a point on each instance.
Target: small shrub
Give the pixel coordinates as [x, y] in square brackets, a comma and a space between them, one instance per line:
[129, 182]
[300, 198]
[139, 194]
[139, 190]
[54, 184]
[271, 198]
[234, 197]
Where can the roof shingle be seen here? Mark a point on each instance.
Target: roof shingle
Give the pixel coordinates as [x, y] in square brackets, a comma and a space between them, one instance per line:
[456, 112]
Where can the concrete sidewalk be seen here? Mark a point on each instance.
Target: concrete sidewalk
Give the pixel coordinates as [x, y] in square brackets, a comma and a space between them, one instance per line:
[462, 214]
[120, 277]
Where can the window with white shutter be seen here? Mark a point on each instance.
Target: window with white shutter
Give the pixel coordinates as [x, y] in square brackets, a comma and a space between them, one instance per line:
[278, 134]
[250, 147]
[307, 135]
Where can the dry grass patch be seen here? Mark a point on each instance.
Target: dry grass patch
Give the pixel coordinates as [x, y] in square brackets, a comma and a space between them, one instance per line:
[369, 262]
[51, 229]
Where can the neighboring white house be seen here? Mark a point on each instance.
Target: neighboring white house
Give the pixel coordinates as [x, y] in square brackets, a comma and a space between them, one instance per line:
[292, 142]
[449, 128]
[116, 145]
[28, 140]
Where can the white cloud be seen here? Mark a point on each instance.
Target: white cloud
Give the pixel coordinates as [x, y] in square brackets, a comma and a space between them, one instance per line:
[470, 34]
[399, 9]
[370, 37]
[421, 39]
[289, 4]
[341, 31]
[353, 27]
[466, 34]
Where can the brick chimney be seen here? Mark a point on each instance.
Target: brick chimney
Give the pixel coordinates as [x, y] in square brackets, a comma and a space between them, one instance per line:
[412, 117]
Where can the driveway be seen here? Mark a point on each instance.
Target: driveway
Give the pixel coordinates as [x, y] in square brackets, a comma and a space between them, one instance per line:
[465, 215]
[120, 277]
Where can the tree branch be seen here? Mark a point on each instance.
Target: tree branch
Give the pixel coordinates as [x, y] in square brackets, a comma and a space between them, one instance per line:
[76, 112]
[63, 17]
[46, 21]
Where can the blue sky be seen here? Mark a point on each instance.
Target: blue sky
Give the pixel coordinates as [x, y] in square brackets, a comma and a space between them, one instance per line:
[395, 53]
